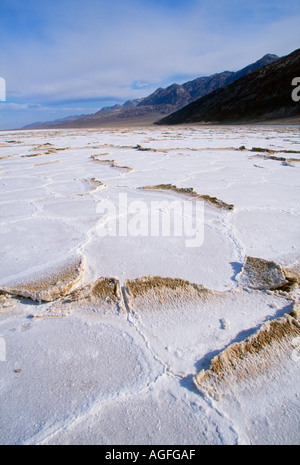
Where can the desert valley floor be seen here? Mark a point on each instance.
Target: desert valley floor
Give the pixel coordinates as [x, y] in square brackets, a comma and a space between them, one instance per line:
[109, 338]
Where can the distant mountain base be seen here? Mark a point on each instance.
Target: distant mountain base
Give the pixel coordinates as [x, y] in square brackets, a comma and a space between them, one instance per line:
[115, 118]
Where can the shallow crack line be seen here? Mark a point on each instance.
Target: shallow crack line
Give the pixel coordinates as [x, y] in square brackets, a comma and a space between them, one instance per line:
[132, 323]
[213, 405]
[147, 344]
[95, 408]
[44, 436]
[232, 235]
[167, 370]
[125, 300]
[130, 319]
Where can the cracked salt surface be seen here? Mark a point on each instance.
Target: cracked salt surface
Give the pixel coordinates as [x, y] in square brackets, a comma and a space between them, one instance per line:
[98, 369]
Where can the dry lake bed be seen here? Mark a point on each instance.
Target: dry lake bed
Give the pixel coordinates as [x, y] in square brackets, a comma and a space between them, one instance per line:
[149, 286]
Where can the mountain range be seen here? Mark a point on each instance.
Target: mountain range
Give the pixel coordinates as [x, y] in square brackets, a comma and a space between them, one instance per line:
[262, 95]
[161, 103]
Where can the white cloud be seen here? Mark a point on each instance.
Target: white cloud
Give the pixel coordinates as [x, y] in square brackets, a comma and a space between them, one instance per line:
[14, 106]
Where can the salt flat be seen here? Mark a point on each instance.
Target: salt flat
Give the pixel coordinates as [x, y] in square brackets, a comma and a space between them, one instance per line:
[93, 355]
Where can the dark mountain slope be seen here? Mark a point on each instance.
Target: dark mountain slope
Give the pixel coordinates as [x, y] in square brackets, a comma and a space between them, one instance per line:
[264, 94]
[180, 95]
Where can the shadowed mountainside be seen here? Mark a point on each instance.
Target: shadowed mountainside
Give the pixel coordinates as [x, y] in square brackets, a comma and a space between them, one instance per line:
[265, 94]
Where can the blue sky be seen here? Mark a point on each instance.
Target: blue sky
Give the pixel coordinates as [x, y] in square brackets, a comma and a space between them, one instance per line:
[65, 57]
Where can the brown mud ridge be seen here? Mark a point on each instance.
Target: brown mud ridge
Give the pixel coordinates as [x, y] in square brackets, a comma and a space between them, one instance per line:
[261, 274]
[47, 152]
[43, 146]
[264, 150]
[95, 185]
[112, 164]
[46, 163]
[256, 273]
[5, 301]
[157, 291]
[286, 161]
[54, 285]
[5, 157]
[140, 148]
[103, 296]
[189, 192]
[292, 276]
[271, 151]
[251, 357]
[270, 154]
[95, 157]
[50, 148]
[33, 155]
[112, 146]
